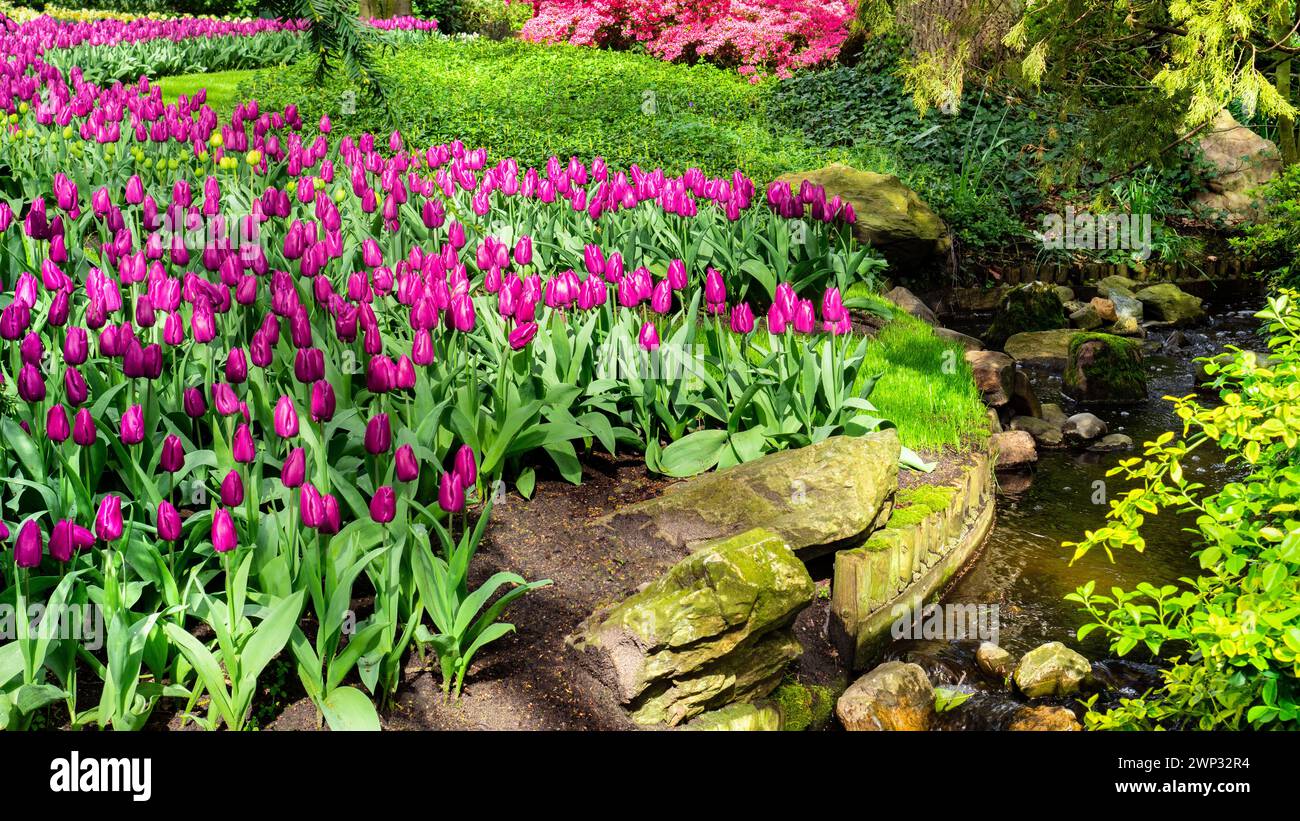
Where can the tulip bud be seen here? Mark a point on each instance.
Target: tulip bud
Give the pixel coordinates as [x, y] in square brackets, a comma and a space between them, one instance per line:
[286, 418]
[224, 539]
[168, 522]
[331, 517]
[29, 545]
[232, 489]
[74, 384]
[195, 403]
[108, 519]
[451, 493]
[648, 338]
[61, 540]
[83, 428]
[57, 427]
[407, 465]
[132, 425]
[466, 466]
[243, 448]
[322, 401]
[383, 505]
[379, 435]
[309, 505]
[294, 470]
[173, 454]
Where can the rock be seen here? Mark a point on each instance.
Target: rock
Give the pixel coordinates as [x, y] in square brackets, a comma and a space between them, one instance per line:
[711, 630]
[890, 216]
[1127, 326]
[894, 696]
[1174, 343]
[970, 343]
[739, 717]
[1086, 318]
[1167, 302]
[1023, 400]
[1043, 719]
[994, 374]
[1111, 442]
[1046, 349]
[968, 300]
[994, 661]
[1051, 669]
[814, 497]
[1083, 428]
[1103, 368]
[1116, 282]
[1015, 450]
[1065, 293]
[1104, 308]
[1052, 413]
[1243, 161]
[1035, 306]
[910, 303]
[1045, 434]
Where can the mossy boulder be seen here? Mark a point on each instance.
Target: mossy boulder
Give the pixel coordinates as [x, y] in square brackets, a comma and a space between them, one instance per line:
[1167, 302]
[1044, 349]
[742, 716]
[893, 696]
[814, 497]
[710, 631]
[890, 216]
[1036, 306]
[1051, 669]
[1103, 368]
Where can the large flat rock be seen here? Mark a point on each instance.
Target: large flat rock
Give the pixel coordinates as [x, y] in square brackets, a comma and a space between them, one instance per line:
[1044, 349]
[813, 497]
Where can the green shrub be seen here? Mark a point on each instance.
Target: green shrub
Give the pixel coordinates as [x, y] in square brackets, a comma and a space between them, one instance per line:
[1231, 637]
[1273, 240]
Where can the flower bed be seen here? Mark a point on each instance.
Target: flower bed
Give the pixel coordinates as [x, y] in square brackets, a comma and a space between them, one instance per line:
[247, 370]
[756, 38]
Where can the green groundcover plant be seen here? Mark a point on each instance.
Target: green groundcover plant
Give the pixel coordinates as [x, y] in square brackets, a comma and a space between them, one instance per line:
[1229, 639]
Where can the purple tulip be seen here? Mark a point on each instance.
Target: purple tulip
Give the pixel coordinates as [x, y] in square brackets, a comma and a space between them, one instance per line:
[195, 403]
[715, 289]
[61, 540]
[776, 319]
[243, 448]
[331, 519]
[173, 454]
[451, 493]
[832, 305]
[381, 374]
[224, 399]
[232, 490]
[31, 385]
[522, 335]
[294, 470]
[648, 338]
[74, 385]
[168, 522]
[83, 428]
[524, 251]
[379, 434]
[462, 313]
[466, 466]
[236, 366]
[286, 418]
[407, 464]
[132, 425]
[223, 531]
[57, 426]
[28, 546]
[804, 317]
[322, 401]
[383, 505]
[742, 319]
[108, 519]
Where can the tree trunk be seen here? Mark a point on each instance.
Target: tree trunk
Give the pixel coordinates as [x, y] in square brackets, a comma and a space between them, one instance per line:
[1286, 126]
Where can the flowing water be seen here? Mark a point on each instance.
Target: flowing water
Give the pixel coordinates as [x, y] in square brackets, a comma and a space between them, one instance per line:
[1023, 568]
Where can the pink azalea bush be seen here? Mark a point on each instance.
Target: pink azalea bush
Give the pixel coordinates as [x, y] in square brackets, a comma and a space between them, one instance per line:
[757, 37]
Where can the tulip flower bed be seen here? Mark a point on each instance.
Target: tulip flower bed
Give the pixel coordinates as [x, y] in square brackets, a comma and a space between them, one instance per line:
[109, 49]
[250, 375]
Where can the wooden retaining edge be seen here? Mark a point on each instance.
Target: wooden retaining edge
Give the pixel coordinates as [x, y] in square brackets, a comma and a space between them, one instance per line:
[899, 569]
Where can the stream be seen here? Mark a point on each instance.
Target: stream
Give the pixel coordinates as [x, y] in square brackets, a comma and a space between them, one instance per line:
[1024, 570]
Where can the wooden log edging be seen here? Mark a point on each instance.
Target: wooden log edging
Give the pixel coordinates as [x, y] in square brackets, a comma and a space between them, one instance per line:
[903, 566]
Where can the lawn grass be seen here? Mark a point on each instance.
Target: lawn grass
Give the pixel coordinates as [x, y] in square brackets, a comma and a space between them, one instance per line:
[221, 86]
[925, 388]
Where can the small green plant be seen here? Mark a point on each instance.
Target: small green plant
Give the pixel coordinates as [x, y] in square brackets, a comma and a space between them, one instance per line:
[1273, 238]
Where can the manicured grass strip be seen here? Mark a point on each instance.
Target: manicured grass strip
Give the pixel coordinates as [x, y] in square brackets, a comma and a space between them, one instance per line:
[221, 86]
[926, 389]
